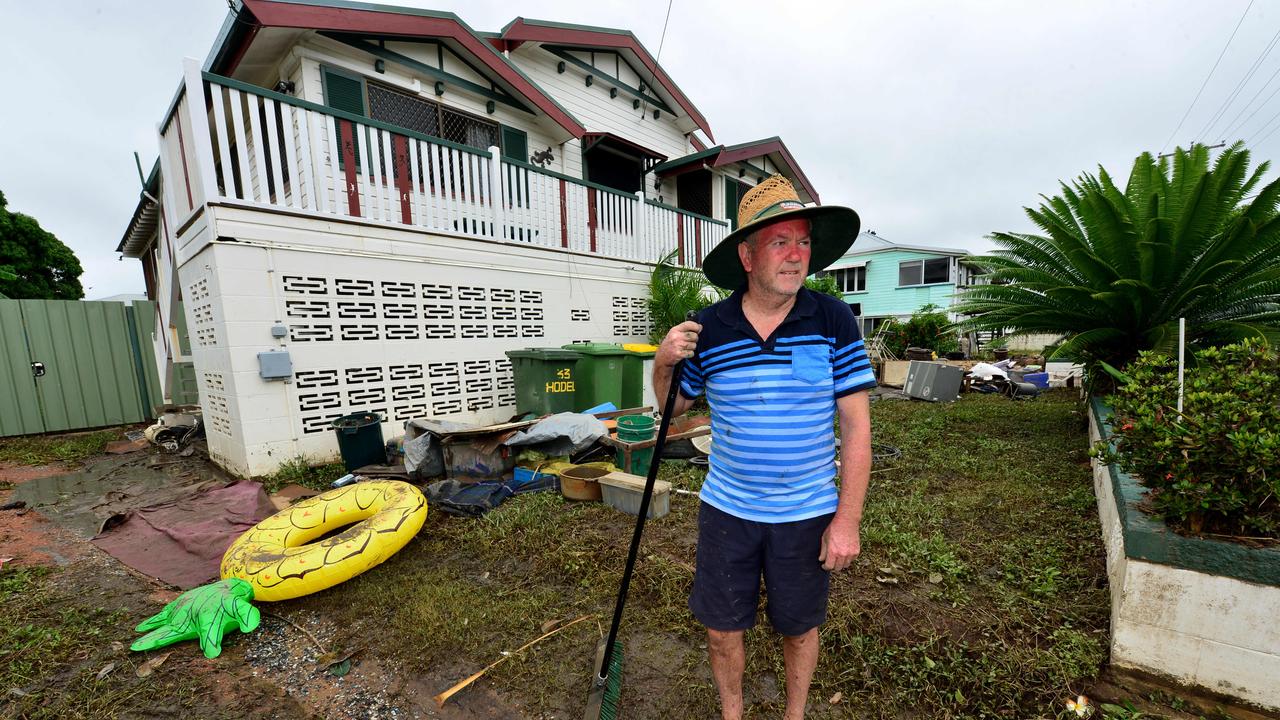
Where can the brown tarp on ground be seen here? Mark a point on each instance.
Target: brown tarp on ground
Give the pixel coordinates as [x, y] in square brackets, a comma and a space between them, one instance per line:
[181, 542]
[85, 500]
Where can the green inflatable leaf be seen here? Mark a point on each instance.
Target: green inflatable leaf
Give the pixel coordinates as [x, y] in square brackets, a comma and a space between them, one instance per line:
[205, 613]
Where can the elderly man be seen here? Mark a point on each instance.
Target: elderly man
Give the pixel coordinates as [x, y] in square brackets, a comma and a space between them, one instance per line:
[777, 363]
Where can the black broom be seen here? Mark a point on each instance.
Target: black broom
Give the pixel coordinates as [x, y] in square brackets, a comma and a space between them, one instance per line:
[606, 687]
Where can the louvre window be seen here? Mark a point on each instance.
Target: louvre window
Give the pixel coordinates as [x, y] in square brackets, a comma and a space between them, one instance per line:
[924, 272]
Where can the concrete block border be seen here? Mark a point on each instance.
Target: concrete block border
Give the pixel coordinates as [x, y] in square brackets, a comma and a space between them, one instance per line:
[1198, 611]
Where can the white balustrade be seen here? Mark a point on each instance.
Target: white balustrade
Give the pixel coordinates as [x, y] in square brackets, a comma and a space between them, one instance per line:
[274, 152]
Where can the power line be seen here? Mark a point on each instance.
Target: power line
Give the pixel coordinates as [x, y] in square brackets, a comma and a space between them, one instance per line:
[662, 41]
[1266, 125]
[1232, 126]
[1262, 139]
[1240, 85]
[1238, 126]
[1206, 78]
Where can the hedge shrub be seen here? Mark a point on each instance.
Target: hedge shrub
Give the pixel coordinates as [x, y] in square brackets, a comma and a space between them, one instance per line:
[927, 327]
[1216, 467]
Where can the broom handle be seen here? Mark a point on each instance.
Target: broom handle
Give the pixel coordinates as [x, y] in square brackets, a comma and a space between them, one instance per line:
[661, 440]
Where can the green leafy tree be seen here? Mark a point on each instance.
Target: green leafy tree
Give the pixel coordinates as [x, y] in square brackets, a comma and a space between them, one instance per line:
[1115, 269]
[673, 292]
[34, 263]
[825, 284]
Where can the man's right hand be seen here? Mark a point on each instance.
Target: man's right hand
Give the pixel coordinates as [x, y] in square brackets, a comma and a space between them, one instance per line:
[680, 343]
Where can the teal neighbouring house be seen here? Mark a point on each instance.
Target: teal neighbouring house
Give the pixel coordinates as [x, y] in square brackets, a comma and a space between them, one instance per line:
[883, 279]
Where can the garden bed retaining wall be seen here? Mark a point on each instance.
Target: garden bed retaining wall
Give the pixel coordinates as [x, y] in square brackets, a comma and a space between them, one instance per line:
[1202, 612]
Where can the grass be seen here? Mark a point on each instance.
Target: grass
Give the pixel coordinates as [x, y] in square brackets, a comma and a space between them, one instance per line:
[980, 593]
[64, 636]
[300, 471]
[50, 653]
[45, 449]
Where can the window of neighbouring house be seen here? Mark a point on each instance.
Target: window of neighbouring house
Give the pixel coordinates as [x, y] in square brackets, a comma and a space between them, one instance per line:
[869, 325]
[924, 272]
[851, 279]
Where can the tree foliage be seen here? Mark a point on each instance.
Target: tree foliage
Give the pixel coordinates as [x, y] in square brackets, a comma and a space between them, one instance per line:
[1115, 269]
[34, 263]
[927, 327]
[826, 285]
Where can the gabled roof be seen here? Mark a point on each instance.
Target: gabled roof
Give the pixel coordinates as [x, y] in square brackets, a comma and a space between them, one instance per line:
[384, 20]
[522, 30]
[722, 155]
[869, 242]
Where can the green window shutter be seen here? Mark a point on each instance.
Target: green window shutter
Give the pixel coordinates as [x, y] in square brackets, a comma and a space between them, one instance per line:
[347, 94]
[731, 203]
[343, 93]
[515, 144]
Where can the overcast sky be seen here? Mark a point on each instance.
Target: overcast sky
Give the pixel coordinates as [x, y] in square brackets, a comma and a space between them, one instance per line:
[937, 121]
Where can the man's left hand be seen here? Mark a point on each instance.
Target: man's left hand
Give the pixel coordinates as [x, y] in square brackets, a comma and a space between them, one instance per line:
[840, 545]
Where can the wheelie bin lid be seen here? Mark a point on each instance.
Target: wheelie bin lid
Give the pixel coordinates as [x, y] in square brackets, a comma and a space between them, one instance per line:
[594, 348]
[542, 354]
[643, 349]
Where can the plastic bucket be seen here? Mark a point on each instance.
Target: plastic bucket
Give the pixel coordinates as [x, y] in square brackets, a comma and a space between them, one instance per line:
[580, 482]
[360, 440]
[636, 428]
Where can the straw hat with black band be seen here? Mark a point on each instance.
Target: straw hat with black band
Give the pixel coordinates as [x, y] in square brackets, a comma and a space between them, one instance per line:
[832, 230]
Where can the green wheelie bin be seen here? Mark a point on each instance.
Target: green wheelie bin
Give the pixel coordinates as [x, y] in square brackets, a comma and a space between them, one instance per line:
[546, 380]
[599, 374]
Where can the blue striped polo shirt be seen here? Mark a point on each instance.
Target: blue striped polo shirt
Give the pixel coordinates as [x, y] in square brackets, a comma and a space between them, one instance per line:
[773, 405]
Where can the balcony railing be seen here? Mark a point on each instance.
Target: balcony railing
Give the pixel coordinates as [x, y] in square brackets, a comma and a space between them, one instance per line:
[260, 148]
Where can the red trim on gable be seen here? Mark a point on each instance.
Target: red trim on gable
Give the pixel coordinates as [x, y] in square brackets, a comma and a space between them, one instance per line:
[697, 144]
[750, 151]
[520, 30]
[245, 41]
[377, 22]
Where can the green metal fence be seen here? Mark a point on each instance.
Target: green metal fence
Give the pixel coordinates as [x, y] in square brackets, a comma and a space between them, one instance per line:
[69, 365]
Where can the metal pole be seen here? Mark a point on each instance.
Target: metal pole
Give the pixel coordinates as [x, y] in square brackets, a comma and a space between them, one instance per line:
[1182, 349]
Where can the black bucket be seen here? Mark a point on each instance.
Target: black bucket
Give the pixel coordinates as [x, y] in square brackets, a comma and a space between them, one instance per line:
[360, 440]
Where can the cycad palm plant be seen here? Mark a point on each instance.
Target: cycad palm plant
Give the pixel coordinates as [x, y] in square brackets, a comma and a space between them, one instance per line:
[1115, 270]
[673, 292]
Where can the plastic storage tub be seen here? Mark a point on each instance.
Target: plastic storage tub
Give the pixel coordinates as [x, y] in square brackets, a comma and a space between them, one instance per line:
[623, 491]
[1039, 379]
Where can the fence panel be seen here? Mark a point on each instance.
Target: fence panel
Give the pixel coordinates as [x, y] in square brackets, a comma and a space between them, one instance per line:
[20, 408]
[90, 366]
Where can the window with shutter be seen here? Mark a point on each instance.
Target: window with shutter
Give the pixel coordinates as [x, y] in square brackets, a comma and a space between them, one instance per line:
[515, 144]
[346, 93]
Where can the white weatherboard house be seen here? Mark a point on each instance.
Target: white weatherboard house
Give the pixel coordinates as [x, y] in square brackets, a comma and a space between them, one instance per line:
[394, 200]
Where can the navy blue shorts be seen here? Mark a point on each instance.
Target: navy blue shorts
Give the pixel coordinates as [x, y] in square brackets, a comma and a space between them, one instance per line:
[733, 554]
